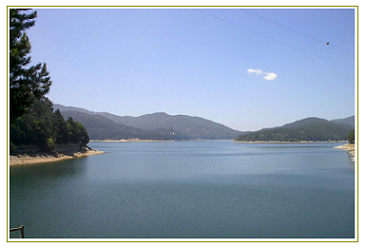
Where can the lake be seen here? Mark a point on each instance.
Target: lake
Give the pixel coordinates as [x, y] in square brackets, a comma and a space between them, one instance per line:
[200, 189]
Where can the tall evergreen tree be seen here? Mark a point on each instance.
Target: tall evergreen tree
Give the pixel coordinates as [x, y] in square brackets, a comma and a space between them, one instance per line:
[26, 83]
[61, 132]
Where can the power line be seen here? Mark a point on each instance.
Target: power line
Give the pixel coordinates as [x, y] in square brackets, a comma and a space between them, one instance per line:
[265, 36]
[298, 32]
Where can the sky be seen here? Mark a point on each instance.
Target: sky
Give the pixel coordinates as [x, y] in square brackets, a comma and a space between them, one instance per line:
[246, 68]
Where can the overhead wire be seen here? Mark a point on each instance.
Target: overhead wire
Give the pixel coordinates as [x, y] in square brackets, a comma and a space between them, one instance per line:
[298, 32]
[268, 37]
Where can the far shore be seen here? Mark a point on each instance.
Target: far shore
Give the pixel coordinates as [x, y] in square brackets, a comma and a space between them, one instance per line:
[43, 157]
[289, 142]
[130, 140]
[245, 142]
[47, 157]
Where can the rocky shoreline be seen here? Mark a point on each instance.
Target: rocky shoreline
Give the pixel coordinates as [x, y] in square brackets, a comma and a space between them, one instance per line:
[287, 142]
[47, 157]
[350, 148]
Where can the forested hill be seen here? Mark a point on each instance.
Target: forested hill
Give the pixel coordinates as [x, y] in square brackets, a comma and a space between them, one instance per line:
[309, 129]
[157, 126]
[192, 127]
[102, 128]
[348, 121]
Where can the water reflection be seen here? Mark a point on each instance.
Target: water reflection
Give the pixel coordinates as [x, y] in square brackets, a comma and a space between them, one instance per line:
[44, 171]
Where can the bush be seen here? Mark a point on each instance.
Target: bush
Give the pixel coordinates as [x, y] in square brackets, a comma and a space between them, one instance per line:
[13, 147]
[351, 137]
[49, 145]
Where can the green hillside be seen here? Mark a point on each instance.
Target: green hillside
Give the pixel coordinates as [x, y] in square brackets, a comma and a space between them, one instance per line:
[309, 129]
[347, 121]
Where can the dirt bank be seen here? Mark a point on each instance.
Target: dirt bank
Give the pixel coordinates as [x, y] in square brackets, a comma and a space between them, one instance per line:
[350, 148]
[43, 157]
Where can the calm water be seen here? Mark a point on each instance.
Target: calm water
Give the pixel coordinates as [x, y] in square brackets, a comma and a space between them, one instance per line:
[208, 189]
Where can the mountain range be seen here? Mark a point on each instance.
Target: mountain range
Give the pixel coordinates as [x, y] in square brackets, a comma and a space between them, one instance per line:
[161, 126]
[156, 126]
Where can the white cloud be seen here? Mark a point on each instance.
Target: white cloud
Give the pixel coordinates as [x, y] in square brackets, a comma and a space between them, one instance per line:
[256, 71]
[270, 76]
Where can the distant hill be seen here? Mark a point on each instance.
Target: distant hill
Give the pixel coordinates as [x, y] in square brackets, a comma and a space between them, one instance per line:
[192, 127]
[63, 108]
[309, 129]
[160, 126]
[347, 121]
[101, 128]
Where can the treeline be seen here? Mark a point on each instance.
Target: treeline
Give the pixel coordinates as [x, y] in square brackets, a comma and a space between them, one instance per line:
[304, 130]
[42, 127]
[292, 135]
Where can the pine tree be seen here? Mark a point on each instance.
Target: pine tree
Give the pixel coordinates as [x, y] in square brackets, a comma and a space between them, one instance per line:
[60, 128]
[26, 83]
[32, 120]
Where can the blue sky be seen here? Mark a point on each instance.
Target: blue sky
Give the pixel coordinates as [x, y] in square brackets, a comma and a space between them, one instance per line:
[245, 68]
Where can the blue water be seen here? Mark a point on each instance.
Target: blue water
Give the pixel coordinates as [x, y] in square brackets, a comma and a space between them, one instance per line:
[203, 189]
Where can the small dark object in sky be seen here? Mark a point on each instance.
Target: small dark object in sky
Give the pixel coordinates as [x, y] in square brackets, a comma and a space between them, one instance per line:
[327, 43]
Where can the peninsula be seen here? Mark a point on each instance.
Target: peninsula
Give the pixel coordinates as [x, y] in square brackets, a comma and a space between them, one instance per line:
[47, 157]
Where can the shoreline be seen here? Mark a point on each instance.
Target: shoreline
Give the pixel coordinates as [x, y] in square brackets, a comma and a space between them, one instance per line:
[128, 140]
[350, 148]
[48, 157]
[288, 142]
